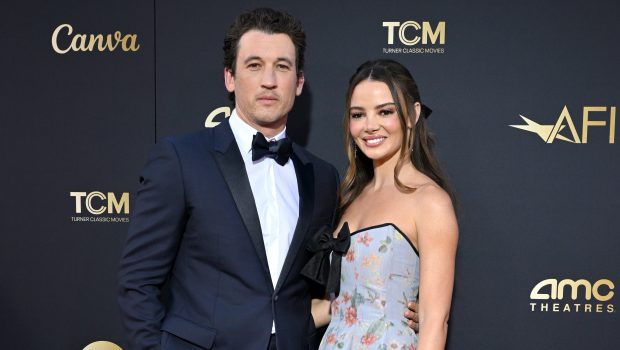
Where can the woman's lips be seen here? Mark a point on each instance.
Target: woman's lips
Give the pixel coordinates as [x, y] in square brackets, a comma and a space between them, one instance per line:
[374, 141]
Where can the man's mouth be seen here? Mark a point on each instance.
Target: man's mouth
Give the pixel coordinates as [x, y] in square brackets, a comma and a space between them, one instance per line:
[268, 99]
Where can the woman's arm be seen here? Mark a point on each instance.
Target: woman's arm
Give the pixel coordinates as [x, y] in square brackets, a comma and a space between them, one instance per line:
[437, 236]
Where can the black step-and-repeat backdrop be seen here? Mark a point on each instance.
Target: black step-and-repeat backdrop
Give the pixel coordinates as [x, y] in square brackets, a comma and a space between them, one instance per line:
[525, 98]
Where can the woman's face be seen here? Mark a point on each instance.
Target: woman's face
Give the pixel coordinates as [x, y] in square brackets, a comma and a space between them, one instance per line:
[374, 123]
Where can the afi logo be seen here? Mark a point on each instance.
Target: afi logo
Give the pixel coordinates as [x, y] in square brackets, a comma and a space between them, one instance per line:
[409, 39]
[556, 289]
[550, 133]
[97, 202]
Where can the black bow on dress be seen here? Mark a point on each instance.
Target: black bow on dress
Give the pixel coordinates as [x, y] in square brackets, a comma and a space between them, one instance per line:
[318, 267]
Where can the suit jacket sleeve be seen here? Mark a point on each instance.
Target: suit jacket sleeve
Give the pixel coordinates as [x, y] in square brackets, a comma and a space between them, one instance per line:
[156, 227]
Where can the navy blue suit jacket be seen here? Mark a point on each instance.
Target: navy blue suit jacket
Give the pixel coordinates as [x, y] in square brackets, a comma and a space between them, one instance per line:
[195, 234]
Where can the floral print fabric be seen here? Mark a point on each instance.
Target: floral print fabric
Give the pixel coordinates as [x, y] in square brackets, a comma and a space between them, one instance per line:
[379, 276]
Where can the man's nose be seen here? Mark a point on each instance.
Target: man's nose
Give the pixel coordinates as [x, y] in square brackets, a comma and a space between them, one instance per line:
[268, 80]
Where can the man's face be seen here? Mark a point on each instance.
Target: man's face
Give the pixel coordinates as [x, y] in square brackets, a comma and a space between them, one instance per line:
[265, 81]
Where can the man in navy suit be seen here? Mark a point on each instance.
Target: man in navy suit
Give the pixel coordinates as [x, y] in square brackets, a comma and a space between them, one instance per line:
[224, 226]
[223, 215]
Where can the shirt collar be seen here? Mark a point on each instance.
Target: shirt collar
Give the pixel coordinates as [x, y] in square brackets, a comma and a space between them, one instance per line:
[244, 133]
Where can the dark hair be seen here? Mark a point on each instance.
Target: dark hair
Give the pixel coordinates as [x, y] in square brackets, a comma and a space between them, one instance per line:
[265, 20]
[418, 146]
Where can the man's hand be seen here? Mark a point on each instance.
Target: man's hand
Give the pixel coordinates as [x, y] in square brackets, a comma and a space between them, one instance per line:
[412, 316]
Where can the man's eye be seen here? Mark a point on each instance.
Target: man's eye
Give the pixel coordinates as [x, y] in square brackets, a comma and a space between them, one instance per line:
[283, 67]
[253, 66]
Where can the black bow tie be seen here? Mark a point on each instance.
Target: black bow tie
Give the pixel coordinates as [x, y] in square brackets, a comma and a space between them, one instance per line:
[279, 150]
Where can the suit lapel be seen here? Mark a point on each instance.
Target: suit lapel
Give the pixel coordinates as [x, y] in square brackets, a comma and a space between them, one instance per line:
[231, 165]
[305, 184]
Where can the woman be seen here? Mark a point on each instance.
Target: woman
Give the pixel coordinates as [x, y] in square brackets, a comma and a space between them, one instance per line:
[398, 210]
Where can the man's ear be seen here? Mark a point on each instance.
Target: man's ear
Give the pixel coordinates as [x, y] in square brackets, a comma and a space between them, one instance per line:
[300, 83]
[229, 80]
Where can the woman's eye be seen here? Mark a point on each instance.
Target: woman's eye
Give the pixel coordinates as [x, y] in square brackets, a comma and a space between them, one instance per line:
[386, 112]
[356, 115]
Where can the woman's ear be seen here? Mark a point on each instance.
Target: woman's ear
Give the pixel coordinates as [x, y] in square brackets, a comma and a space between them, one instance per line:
[417, 107]
[418, 110]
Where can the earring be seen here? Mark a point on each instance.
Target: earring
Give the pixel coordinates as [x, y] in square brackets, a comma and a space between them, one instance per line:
[354, 150]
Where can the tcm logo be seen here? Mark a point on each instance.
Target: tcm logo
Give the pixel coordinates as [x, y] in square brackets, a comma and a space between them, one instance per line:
[98, 203]
[63, 42]
[592, 116]
[210, 121]
[411, 32]
[565, 293]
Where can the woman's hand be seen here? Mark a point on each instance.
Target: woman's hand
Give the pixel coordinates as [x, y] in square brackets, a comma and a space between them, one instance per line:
[321, 312]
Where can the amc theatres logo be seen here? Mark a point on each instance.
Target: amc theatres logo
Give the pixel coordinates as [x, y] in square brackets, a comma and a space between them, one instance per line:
[564, 127]
[100, 207]
[569, 295]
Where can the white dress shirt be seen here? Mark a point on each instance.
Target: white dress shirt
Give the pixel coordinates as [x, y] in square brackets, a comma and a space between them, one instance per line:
[275, 194]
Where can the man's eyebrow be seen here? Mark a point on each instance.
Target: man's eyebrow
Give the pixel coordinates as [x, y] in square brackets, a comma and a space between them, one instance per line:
[252, 58]
[285, 59]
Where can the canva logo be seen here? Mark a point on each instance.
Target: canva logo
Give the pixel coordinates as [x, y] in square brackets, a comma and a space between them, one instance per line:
[63, 41]
[411, 32]
[210, 121]
[98, 203]
[605, 118]
[569, 295]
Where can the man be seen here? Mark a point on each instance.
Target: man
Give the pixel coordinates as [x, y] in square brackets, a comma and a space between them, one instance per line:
[222, 216]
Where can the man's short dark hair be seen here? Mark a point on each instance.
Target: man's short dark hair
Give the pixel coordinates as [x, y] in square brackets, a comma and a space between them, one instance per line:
[269, 21]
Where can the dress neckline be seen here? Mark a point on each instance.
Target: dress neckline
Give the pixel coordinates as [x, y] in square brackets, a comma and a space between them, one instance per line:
[368, 228]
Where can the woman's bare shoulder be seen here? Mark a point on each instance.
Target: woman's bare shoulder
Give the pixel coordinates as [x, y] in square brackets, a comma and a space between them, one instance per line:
[431, 196]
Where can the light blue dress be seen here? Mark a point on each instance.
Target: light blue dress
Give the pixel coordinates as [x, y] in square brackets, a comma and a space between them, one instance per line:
[380, 274]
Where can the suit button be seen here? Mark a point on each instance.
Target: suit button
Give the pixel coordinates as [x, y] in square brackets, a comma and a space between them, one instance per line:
[275, 298]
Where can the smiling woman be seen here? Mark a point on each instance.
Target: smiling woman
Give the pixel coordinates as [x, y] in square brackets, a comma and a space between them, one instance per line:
[398, 212]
